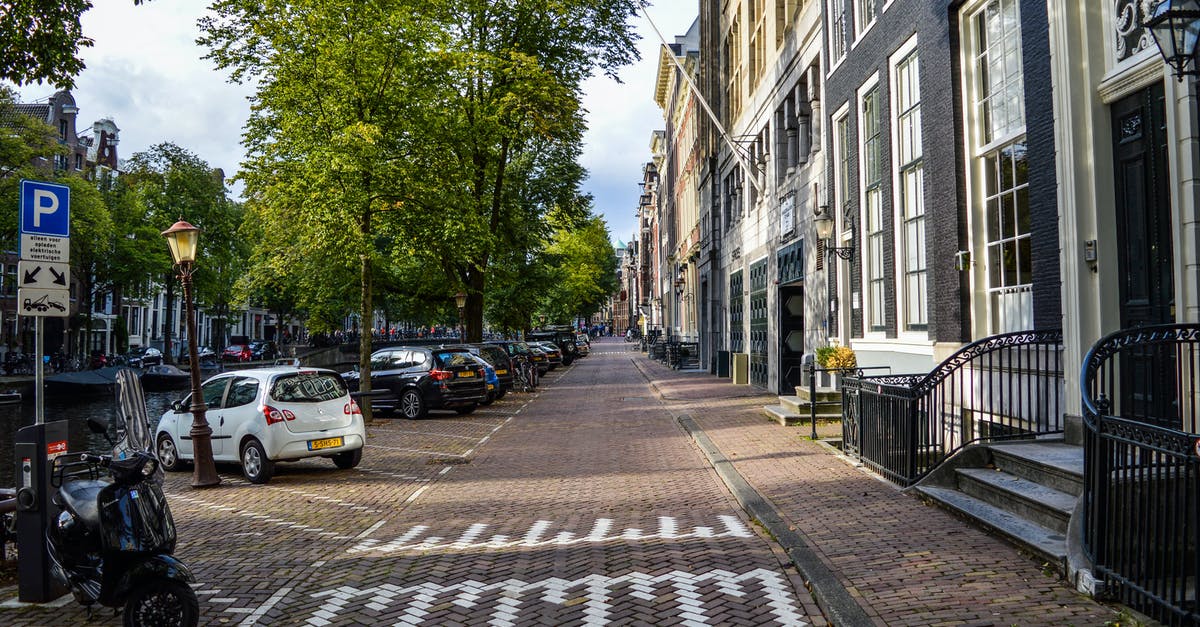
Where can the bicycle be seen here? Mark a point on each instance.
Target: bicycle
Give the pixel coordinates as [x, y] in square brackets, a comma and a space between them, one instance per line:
[525, 376]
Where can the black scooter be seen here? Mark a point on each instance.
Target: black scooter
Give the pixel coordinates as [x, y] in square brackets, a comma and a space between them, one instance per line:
[113, 541]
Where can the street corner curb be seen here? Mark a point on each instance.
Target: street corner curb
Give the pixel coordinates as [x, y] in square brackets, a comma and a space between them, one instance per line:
[835, 601]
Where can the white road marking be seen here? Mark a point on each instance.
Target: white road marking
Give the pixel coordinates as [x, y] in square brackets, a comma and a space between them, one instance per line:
[601, 531]
[595, 591]
[266, 607]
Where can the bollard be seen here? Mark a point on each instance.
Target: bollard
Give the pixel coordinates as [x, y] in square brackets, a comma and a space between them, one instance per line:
[35, 448]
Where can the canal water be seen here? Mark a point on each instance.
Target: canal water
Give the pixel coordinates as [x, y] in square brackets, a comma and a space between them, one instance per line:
[76, 412]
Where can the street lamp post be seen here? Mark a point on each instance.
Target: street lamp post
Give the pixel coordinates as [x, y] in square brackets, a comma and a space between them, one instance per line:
[461, 300]
[183, 239]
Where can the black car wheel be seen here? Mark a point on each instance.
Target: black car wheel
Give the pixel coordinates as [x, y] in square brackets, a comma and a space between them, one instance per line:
[348, 460]
[412, 406]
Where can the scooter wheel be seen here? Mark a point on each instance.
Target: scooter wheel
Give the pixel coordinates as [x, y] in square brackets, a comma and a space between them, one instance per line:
[162, 602]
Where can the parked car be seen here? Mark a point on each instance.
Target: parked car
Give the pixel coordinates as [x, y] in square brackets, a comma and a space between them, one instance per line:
[262, 350]
[267, 415]
[489, 375]
[142, 357]
[420, 378]
[237, 352]
[554, 356]
[518, 353]
[497, 358]
[561, 336]
[538, 357]
[583, 345]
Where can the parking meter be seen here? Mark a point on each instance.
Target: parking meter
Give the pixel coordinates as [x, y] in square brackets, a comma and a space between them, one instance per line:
[34, 450]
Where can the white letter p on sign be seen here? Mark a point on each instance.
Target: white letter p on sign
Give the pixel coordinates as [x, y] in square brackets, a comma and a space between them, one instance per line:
[44, 203]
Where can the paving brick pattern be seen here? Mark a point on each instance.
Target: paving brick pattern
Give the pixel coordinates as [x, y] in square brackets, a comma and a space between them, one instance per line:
[584, 503]
[904, 562]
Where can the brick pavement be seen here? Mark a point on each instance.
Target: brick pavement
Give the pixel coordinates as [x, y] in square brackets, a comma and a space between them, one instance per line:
[584, 503]
[904, 562]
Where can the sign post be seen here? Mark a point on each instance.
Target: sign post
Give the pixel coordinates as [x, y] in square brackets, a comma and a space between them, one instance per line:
[43, 279]
[44, 271]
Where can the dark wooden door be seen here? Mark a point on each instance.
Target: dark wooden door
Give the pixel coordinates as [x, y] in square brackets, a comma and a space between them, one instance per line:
[1145, 251]
[791, 339]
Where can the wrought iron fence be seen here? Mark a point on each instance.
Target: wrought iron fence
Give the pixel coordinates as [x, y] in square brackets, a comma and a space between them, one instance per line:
[1002, 387]
[1141, 470]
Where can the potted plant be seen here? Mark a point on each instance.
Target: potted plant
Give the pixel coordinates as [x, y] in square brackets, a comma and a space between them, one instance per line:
[840, 359]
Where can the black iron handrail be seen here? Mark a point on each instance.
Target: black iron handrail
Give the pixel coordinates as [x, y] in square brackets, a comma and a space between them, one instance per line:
[1006, 386]
[1141, 468]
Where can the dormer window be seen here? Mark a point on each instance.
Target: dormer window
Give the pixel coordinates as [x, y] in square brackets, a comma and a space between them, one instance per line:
[62, 130]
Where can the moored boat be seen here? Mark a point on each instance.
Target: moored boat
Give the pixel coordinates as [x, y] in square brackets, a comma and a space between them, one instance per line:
[164, 377]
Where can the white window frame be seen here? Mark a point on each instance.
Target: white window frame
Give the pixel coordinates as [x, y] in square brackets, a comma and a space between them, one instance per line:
[847, 19]
[861, 246]
[861, 28]
[898, 171]
[988, 312]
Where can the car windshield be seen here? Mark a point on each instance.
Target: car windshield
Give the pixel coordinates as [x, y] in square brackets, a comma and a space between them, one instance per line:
[307, 387]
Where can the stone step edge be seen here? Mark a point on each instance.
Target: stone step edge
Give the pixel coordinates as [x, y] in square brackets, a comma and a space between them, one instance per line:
[1046, 543]
[787, 418]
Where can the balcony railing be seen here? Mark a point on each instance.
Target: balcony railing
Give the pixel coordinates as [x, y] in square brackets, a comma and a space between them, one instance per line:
[1003, 387]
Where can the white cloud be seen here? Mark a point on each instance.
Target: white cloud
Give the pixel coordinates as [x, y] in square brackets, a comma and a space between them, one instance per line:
[146, 72]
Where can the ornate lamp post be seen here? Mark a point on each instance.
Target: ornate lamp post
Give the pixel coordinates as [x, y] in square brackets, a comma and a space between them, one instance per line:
[184, 239]
[461, 300]
[1175, 25]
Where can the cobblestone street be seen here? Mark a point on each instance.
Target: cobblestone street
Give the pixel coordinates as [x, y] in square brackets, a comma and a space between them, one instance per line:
[583, 503]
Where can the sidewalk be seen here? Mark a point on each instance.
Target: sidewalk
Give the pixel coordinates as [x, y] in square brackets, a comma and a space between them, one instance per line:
[903, 562]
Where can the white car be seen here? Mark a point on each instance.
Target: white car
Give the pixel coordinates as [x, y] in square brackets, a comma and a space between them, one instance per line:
[266, 415]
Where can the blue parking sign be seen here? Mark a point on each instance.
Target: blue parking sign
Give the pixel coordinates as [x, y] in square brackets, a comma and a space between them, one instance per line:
[45, 209]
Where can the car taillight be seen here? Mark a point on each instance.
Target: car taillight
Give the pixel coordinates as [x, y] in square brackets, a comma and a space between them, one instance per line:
[440, 375]
[351, 408]
[275, 415]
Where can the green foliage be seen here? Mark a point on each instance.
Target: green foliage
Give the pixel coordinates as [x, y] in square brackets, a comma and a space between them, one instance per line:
[836, 357]
[585, 272]
[40, 41]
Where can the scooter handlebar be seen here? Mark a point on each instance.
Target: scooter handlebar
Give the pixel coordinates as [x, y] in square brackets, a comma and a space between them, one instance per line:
[102, 460]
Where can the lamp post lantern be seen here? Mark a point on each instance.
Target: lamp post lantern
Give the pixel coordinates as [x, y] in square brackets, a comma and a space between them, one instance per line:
[183, 239]
[1175, 25]
[461, 300]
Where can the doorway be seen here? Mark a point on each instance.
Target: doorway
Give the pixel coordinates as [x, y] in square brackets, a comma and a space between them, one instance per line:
[791, 339]
[1145, 252]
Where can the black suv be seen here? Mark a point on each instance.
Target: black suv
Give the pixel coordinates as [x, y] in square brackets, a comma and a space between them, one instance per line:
[498, 358]
[564, 339]
[420, 378]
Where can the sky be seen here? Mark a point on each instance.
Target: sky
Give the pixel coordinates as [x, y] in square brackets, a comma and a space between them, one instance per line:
[145, 71]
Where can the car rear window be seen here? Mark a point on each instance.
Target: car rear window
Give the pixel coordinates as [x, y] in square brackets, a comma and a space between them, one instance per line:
[307, 387]
[449, 360]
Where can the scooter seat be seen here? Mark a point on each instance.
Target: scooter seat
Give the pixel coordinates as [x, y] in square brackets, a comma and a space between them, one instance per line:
[83, 498]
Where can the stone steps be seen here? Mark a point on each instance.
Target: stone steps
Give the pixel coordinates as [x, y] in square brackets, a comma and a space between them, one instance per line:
[1024, 491]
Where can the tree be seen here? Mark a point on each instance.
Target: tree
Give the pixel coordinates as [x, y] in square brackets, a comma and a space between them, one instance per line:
[585, 273]
[502, 140]
[328, 138]
[166, 183]
[40, 40]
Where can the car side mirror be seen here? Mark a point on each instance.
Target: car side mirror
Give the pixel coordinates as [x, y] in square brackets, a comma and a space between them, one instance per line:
[178, 407]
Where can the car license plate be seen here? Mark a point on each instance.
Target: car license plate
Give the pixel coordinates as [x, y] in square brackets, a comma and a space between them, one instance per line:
[316, 445]
[491, 387]
[466, 374]
[501, 371]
